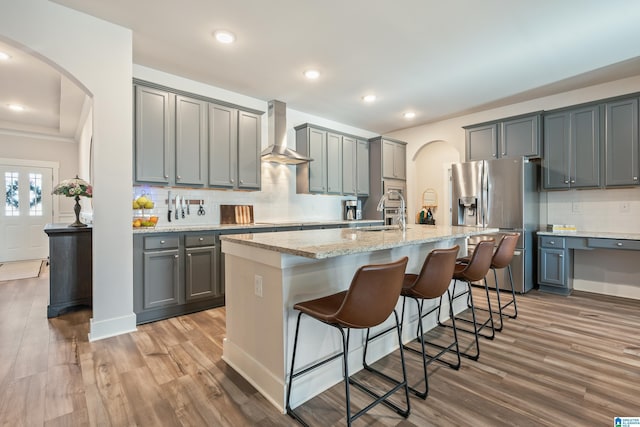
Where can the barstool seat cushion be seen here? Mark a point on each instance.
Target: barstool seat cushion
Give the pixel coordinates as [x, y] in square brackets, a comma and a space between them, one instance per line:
[324, 309]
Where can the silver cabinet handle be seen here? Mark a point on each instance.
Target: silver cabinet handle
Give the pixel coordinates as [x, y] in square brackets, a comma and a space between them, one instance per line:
[504, 154]
[493, 155]
[175, 256]
[232, 181]
[561, 256]
[178, 177]
[201, 239]
[188, 255]
[166, 175]
[552, 242]
[162, 242]
[573, 181]
[566, 181]
[619, 244]
[635, 178]
[241, 181]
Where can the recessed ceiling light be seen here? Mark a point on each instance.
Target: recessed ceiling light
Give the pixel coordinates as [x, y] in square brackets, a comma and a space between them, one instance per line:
[409, 115]
[369, 98]
[4, 56]
[16, 107]
[312, 74]
[224, 36]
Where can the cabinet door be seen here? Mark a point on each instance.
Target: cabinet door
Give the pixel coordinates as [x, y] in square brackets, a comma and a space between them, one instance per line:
[200, 265]
[585, 148]
[153, 141]
[222, 145]
[556, 151]
[362, 168]
[161, 283]
[551, 267]
[520, 137]
[400, 161]
[393, 160]
[482, 142]
[334, 163]
[387, 159]
[317, 168]
[191, 141]
[621, 143]
[349, 168]
[248, 150]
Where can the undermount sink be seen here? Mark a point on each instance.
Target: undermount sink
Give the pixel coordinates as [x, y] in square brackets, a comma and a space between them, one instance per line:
[380, 228]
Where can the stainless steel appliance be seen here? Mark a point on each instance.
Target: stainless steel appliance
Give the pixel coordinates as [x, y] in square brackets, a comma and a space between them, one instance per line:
[352, 210]
[393, 190]
[500, 194]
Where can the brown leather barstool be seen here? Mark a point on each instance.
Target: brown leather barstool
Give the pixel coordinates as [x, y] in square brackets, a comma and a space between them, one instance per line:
[502, 259]
[432, 282]
[476, 269]
[368, 302]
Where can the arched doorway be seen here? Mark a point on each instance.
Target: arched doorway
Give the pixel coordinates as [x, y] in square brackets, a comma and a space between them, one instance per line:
[432, 164]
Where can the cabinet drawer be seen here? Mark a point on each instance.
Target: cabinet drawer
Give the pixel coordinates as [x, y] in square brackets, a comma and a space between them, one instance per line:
[200, 240]
[161, 242]
[633, 245]
[552, 242]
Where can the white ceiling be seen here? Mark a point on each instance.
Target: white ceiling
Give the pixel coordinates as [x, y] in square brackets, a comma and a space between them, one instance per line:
[438, 58]
[53, 103]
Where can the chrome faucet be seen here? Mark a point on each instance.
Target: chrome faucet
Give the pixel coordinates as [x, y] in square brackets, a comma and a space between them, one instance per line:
[401, 218]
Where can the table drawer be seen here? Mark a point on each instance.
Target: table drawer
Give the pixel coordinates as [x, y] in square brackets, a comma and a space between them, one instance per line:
[161, 242]
[552, 242]
[632, 245]
[200, 240]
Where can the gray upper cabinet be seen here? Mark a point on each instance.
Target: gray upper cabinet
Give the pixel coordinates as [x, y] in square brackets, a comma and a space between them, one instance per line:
[508, 138]
[187, 140]
[334, 163]
[249, 144]
[355, 166]
[234, 148]
[572, 149]
[153, 140]
[312, 143]
[482, 142]
[362, 168]
[621, 143]
[520, 137]
[394, 157]
[223, 142]
[191, 141]
[349, 166]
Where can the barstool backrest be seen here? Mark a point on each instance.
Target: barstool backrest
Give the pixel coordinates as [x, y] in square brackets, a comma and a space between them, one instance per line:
[504, 254]
[373, 294]
[480, 261]
[436, 273]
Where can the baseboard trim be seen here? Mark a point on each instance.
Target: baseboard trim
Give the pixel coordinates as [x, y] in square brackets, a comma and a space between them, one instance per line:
[111, 327]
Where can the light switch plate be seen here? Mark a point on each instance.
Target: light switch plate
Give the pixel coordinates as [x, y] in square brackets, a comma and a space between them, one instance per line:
[258, 285]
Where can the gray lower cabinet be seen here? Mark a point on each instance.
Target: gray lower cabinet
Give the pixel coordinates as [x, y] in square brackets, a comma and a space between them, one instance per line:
[621, 143]
[553, 265]
[174, 274]
[572, 149]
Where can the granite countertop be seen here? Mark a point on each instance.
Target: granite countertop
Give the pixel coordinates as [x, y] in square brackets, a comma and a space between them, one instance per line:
[320, 244]
[240, 227]
[592, 234]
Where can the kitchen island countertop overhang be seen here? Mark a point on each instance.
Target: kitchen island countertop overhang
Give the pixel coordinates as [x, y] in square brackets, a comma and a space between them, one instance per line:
[266, 274]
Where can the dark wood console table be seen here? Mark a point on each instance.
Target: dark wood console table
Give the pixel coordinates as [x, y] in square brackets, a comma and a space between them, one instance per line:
[70, 271]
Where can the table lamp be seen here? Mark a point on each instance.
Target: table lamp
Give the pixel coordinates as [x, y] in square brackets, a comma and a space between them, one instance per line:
[74, 187]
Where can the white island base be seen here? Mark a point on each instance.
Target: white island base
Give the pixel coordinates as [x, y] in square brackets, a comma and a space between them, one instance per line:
[263, 284]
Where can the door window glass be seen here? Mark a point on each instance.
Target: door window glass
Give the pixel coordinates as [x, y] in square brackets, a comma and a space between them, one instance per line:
[35, 194]
[12, 201]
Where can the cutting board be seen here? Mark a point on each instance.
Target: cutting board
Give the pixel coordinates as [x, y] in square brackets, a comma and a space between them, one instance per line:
[236, 214]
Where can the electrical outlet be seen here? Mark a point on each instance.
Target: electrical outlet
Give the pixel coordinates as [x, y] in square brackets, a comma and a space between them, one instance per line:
[258, 285]
[576, 207]
[624, 207]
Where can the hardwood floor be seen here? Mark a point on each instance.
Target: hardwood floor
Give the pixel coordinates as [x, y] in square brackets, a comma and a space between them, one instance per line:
[564, 361]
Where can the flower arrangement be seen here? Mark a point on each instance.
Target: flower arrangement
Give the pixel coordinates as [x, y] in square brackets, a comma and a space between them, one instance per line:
[73, 187]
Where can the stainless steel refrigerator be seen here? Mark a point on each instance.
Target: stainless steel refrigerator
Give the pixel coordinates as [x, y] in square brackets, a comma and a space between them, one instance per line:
[501, 194]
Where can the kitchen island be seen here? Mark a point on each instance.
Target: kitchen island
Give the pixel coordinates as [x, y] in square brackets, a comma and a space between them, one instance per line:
[266, 274]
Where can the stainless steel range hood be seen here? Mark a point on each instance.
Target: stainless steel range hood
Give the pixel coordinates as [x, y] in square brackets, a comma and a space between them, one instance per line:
[277, 152]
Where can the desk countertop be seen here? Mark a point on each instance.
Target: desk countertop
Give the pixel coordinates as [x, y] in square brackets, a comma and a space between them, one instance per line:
[593, 234]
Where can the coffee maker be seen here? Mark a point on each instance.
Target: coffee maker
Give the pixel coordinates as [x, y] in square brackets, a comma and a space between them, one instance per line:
[352, 210]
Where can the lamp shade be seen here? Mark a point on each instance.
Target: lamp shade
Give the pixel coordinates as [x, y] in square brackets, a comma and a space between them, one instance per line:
[73, 187]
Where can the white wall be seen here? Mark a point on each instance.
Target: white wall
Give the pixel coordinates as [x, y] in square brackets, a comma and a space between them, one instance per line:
[597, 210]
[278, 200]
[97, 55]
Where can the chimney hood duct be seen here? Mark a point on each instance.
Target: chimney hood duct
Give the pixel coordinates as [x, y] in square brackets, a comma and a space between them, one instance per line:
[277, 152]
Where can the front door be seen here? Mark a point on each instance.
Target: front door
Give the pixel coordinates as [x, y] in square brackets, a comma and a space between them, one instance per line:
[26, 210]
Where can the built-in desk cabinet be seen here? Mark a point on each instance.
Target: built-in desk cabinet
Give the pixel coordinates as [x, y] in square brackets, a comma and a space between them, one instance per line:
[552, 266]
